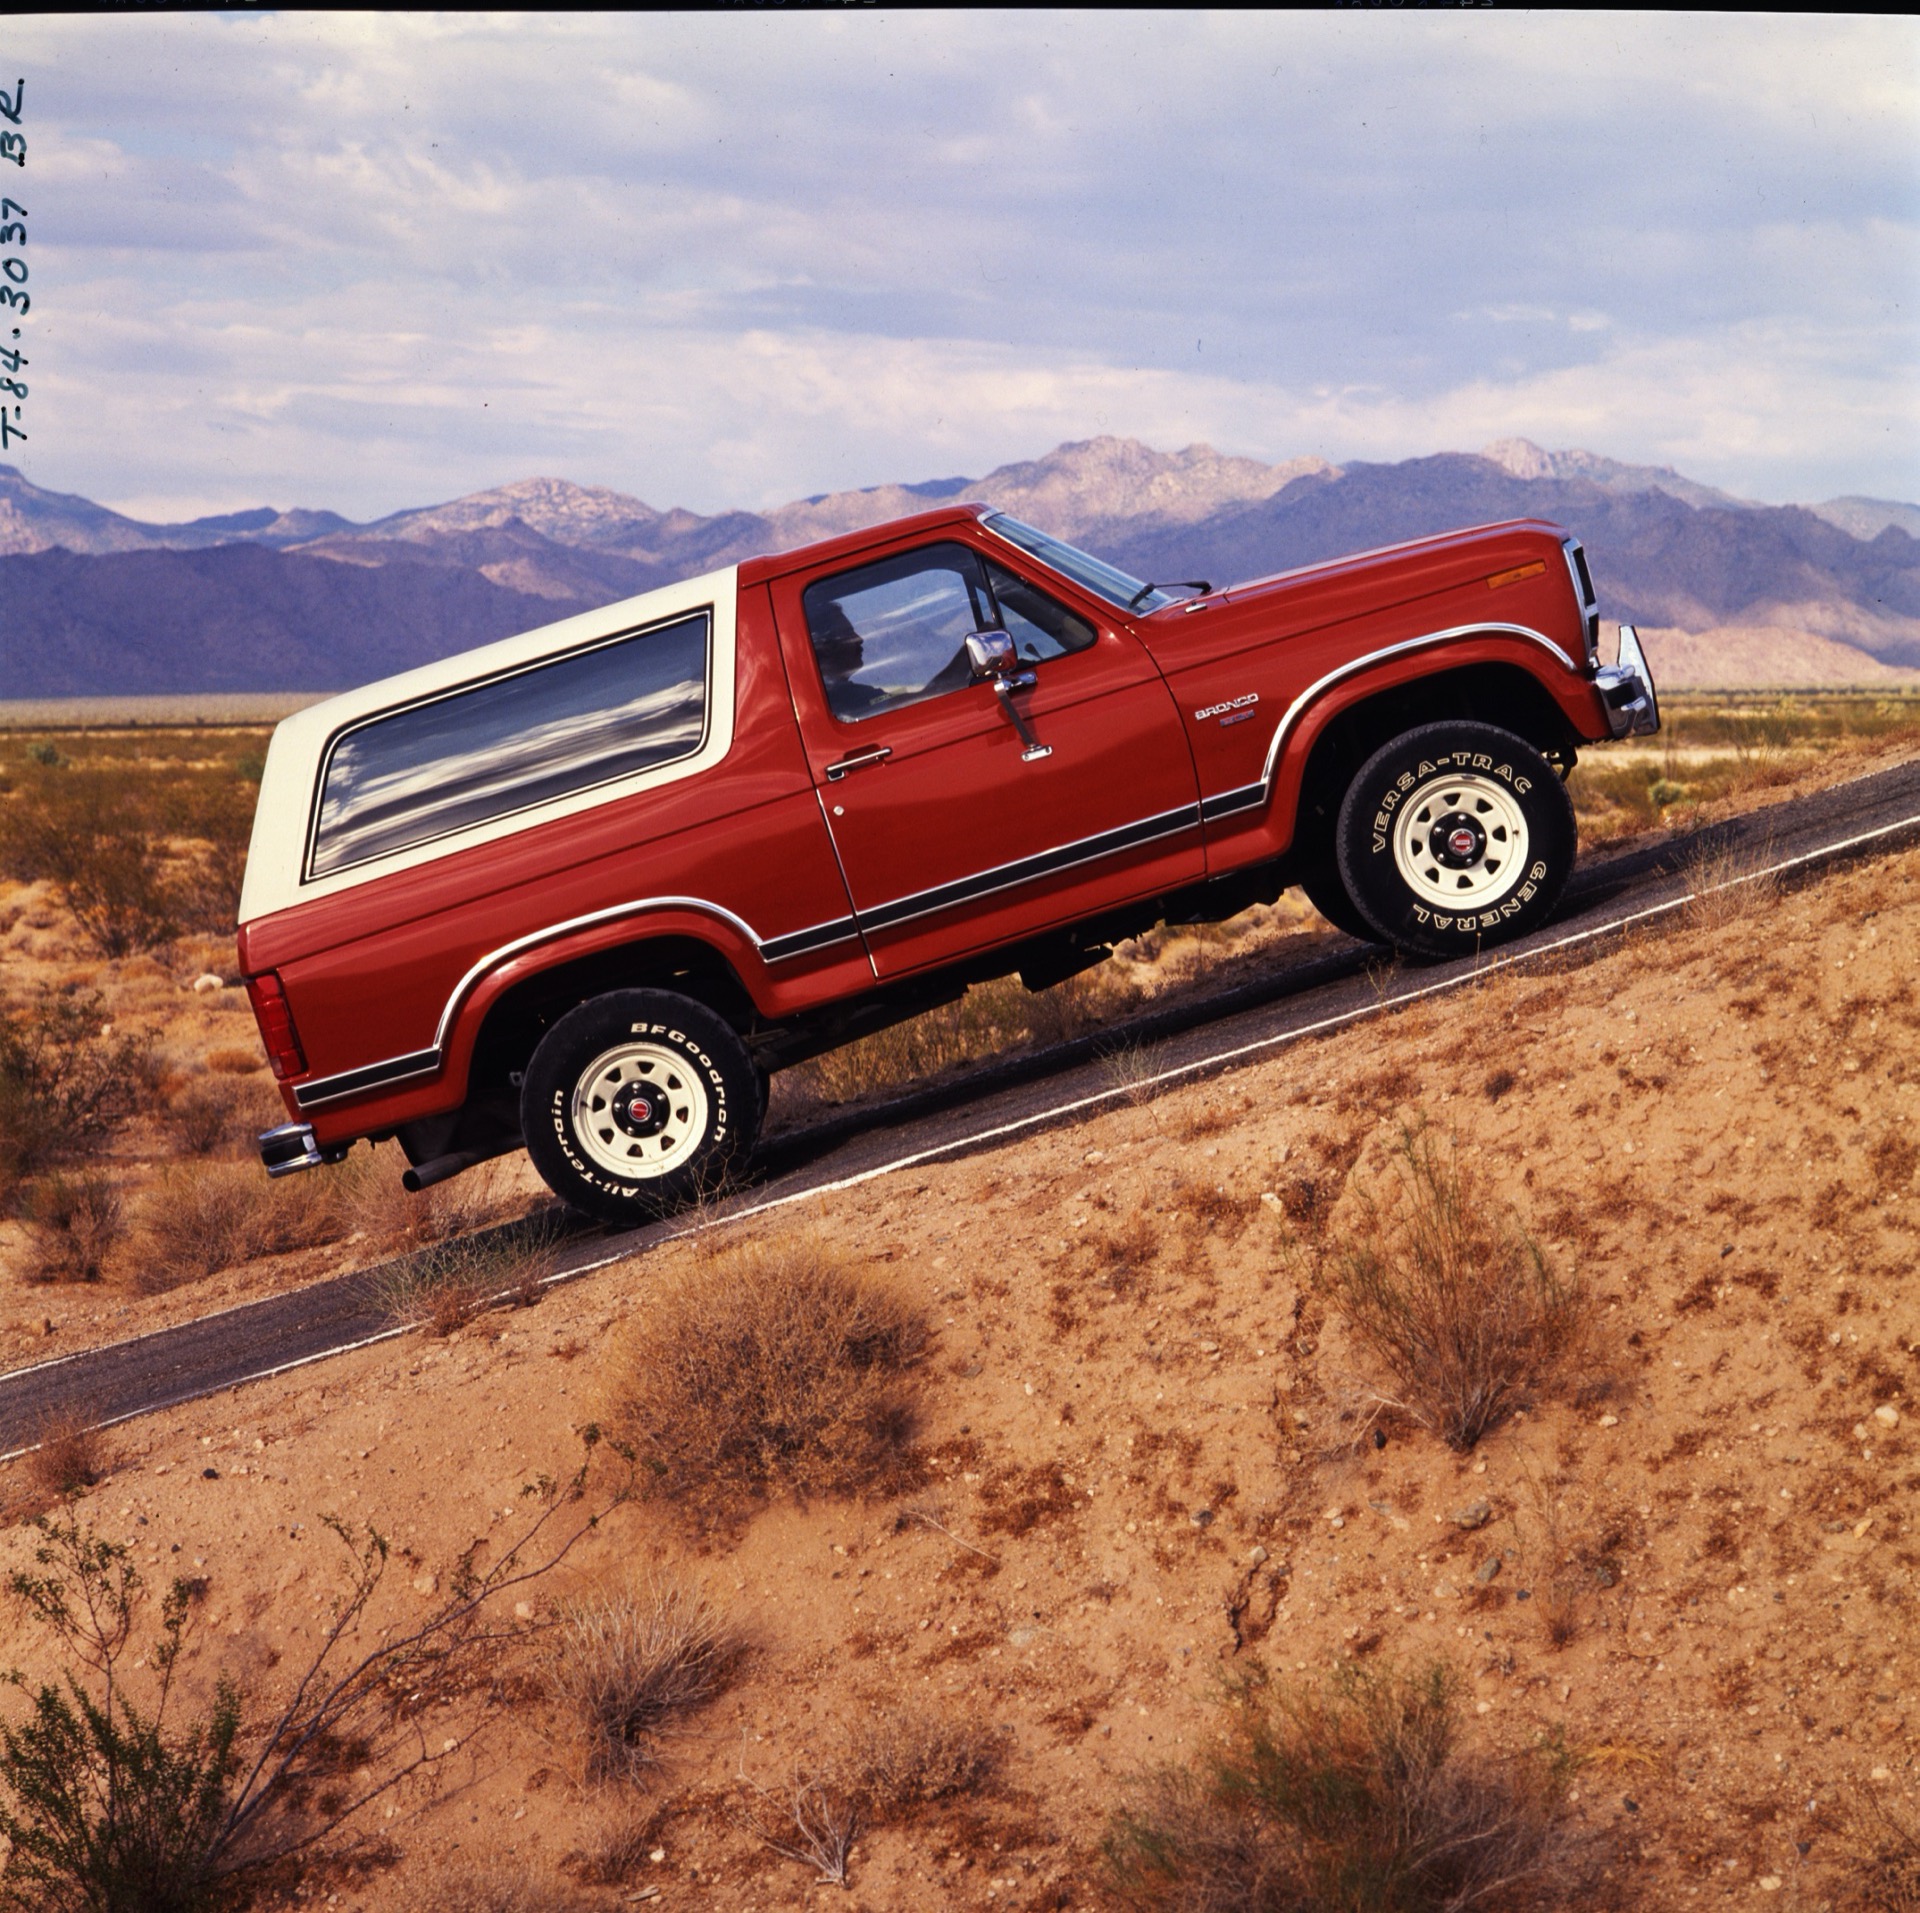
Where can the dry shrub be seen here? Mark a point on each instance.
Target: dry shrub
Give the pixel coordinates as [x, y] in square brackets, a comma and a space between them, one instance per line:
[900, 1762]
[366, 1192]
[197, 1220]
[810, 1822]
[68, 1458]
[89, 835]
[1582, 1537]
[200, 1218]
[77, 1221]
[1452, 1296]
[1122, 1257]
[235, 1062]
[621, 1844]
[769, 1368]
[629, 1663]
[64, 1079]
[1883, 1855]
[202, 1116]
[1355, 1798]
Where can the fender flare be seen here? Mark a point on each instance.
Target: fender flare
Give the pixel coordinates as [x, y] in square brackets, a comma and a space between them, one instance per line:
[1323, 702]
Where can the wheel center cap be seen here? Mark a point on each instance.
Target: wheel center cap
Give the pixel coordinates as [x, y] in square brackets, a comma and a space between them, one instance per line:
[1458, 841]
[640, 1109]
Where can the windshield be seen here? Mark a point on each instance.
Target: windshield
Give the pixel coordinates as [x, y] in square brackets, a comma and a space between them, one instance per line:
[1102, 579]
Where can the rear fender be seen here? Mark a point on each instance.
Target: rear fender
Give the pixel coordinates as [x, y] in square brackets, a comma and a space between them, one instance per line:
[518, 992]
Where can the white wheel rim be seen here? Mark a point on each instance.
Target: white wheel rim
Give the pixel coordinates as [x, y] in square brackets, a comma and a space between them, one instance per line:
[1460, 841]
[639, 1111]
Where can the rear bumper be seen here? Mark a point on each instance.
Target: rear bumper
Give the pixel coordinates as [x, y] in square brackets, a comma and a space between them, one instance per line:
[292, 1147]
[1627, 689]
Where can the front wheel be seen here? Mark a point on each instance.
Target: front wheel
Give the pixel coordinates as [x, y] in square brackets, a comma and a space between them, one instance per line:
[638, 1102]
[1454, 837]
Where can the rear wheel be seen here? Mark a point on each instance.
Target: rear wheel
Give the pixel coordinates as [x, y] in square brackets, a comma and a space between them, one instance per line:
[637, 1102]
[1454, 837]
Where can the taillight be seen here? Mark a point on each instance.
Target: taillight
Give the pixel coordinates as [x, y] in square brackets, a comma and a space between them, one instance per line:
[274, 1014]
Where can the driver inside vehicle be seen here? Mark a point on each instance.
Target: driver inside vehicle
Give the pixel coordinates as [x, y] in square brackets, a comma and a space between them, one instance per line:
[841, 653]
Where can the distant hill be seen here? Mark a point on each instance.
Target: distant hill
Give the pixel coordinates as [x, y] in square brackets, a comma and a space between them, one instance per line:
[272, 600]
[1656, 560]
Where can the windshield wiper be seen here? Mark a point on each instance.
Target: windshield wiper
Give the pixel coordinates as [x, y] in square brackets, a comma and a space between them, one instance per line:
[1200, 585]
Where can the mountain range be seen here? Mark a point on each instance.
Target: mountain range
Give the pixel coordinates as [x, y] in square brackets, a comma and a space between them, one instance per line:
[1732, 592]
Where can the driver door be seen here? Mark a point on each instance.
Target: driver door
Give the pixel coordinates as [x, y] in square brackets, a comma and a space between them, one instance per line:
[956, 832]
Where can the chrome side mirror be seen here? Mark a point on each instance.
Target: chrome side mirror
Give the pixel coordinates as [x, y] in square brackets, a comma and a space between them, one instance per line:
[991, 656]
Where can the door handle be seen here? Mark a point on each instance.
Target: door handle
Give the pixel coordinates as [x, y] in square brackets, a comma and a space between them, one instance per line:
[858, 761]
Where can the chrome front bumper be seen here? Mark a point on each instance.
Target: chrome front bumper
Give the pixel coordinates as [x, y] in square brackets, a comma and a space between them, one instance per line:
[1626, 689]
[292, 1147]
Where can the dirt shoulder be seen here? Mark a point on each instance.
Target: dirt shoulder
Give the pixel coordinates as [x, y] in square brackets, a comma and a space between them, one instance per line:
[1147, 1454]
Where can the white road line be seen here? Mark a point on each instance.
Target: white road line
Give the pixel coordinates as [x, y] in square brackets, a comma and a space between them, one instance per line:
[979, 1137]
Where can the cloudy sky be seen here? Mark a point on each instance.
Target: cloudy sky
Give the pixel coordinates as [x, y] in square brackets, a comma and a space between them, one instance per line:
[366, 262]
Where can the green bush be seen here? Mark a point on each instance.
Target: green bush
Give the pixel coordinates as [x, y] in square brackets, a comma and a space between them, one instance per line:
[103, 1806]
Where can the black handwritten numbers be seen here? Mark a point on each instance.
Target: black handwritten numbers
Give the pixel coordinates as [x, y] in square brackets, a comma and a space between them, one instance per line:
[13, 267]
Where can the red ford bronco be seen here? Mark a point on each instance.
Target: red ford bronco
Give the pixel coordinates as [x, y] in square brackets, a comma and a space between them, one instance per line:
[586, 888]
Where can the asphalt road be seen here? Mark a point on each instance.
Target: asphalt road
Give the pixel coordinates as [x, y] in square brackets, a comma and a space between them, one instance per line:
[994, 1103]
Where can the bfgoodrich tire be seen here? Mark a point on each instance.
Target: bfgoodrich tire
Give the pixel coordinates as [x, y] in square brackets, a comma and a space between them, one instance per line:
[637, 1102]
[1455, 837]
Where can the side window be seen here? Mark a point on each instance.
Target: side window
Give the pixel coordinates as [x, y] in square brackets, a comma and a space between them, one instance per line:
[558, 728]
[895, 632]
[1039, 628]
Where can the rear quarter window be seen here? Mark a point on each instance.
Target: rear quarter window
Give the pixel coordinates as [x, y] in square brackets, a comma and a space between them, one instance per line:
[484, 751]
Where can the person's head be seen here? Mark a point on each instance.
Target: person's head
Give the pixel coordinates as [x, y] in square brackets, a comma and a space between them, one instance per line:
[836, 644]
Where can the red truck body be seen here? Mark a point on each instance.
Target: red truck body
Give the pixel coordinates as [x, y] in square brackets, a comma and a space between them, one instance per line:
[806, 873]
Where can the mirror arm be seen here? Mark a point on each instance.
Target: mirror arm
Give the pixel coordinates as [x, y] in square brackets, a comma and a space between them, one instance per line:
[1004, 688]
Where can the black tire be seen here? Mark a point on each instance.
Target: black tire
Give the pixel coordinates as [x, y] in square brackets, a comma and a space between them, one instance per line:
[1455, 837]
[638, 1102]
[1328, 895]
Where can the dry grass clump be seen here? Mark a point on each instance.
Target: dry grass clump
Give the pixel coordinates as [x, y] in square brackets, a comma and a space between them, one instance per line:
[203, 1116]
[196, 1220]
[447, 1283]
[629, 1663]
[199, 1218]
[70, 1456]
[1357, 1798]
[769, 1368]
[1451, 1295]
[900, 1762]
[1729, 885]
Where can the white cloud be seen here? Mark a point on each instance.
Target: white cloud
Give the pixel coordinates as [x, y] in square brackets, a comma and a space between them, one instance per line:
[361, 260]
